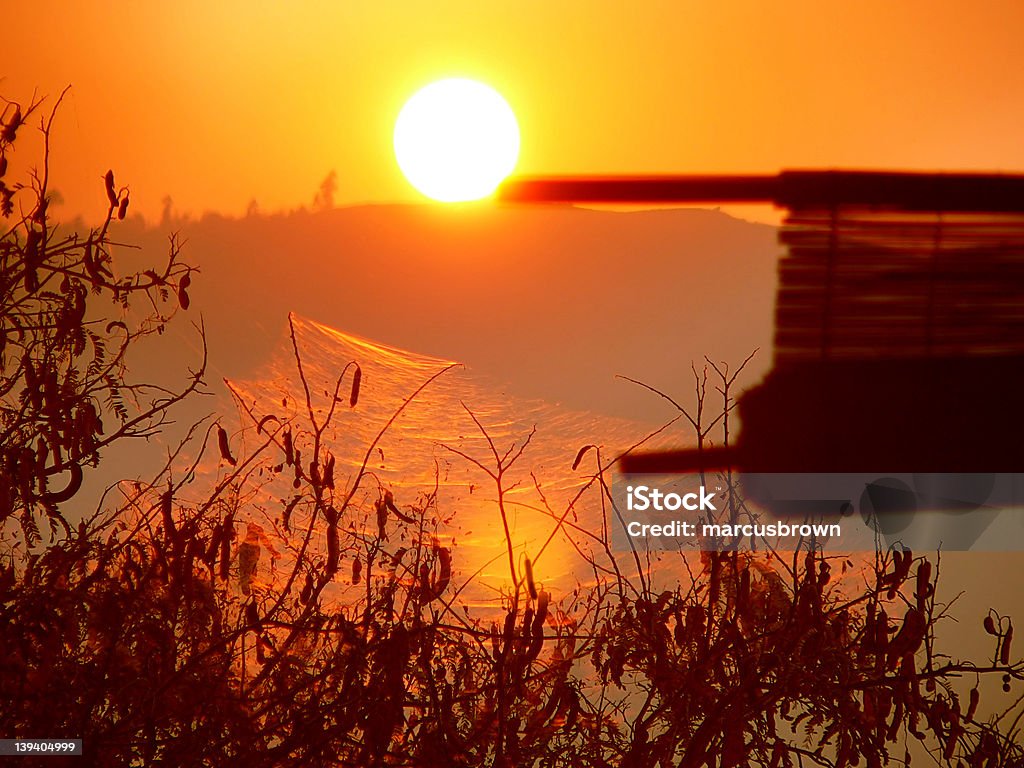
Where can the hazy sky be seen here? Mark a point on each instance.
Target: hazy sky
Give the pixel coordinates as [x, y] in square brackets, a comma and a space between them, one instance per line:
[216, 104]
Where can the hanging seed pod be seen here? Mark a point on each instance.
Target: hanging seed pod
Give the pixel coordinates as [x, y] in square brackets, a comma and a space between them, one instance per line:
[252, 615]
[908, 560]
[990, 625]
[1004, 651]
[382, 519]
[543, 598]
[333, 551]
[10, 130]
[183, 298]
[357, 378]
[510, 627]
[289, 456]
[357, 570]
[225, 449]
[952, 739]
[972, 706]
[166, 502]
[924, 587]
[108, 181]
[209, 557]
[530, 585]
[329, 472]
[580, 454]
[536, 640]
[122, 208]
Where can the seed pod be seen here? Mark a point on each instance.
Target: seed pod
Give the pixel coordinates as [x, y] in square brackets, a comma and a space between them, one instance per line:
[536, 640]
[990, 625]
[166, 501]
[382, 519]
[924, 587]
[289, 456]
[225, 450]
[357, 378]
[530, 585]
[108, 180]
[329, 472]
[252, 615]
[183, 298]
[972, 707]
[580, 454]
[543, 598]
[122, 208]
[357, 570]
[333, 550]
[908, 559]
[10, 130]
[1004, 651]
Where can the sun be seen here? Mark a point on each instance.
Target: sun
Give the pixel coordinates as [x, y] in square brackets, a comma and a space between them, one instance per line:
[456, 140]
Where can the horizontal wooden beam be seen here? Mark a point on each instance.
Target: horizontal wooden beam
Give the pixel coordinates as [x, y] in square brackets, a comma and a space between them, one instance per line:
[897, 190]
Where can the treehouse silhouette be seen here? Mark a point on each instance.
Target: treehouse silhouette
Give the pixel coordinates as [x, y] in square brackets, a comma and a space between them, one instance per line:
[899, 320]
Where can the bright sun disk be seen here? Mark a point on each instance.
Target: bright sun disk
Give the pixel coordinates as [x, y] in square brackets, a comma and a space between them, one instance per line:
[456, 140]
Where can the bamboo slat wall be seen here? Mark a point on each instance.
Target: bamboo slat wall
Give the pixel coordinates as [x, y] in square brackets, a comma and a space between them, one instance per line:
[862, 283]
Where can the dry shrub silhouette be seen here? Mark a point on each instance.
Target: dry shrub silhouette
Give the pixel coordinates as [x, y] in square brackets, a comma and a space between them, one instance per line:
[286, 609]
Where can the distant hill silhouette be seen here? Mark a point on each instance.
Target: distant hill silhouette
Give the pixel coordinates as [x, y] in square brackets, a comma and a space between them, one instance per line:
[551, 302]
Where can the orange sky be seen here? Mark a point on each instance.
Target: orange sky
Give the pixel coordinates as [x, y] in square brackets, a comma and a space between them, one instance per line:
[219, 103]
